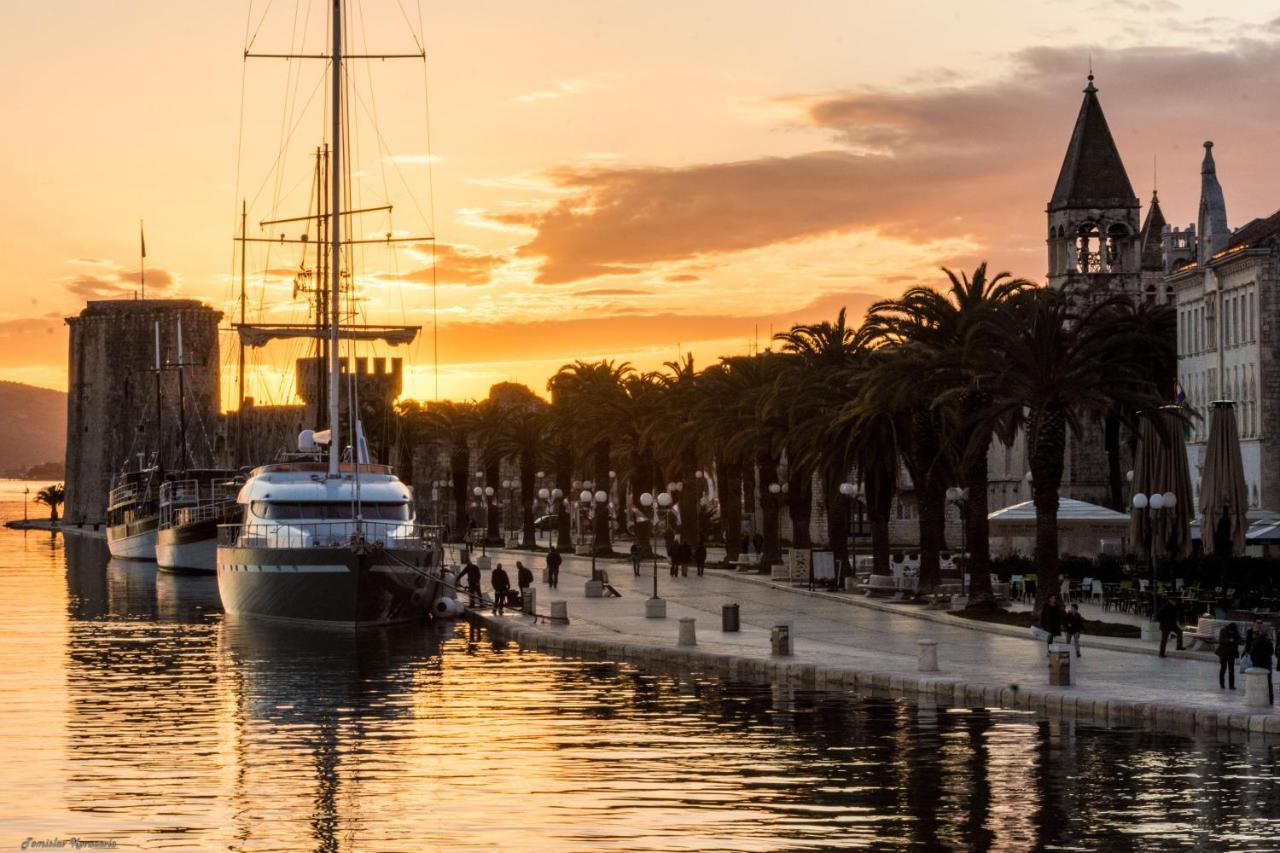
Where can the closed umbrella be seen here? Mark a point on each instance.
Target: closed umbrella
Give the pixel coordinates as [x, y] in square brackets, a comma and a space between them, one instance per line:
[1160, 469]
[1224, 498]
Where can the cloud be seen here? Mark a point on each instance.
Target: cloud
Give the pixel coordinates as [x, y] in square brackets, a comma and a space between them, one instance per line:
[120, 284]
[455, 263]
[945, 161]
[412, 159]
[681, 277]
[561, 89]
[612, 291]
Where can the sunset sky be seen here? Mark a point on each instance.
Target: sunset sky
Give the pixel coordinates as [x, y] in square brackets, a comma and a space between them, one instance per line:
[622, 180]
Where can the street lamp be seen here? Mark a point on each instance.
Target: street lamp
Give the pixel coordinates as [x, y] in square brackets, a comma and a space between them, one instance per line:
[479, 494]
[656, 608]
[26, 490]
[506, 510]
[854, 493]
[586, 498]
[1153, 504]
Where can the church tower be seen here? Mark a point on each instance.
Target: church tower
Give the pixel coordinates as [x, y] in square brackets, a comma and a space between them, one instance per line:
[1212, 221]
[1094, 239]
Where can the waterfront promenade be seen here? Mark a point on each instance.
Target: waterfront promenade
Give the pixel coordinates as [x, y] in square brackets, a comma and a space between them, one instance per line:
[842, 642]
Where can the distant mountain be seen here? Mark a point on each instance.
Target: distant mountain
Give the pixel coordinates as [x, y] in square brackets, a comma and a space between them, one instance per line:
[33, 426]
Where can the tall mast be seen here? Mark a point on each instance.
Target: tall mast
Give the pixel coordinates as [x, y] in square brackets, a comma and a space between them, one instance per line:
[159, 436]
[335, 244]
[244, 223]
[182, 401]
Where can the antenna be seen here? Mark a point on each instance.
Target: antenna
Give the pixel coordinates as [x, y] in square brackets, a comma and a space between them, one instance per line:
[142, 270]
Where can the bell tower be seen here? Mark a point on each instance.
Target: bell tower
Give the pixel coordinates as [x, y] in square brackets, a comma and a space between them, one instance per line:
[1094, 231]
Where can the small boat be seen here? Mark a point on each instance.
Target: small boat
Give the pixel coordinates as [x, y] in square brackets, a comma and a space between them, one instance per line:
[133, 514]
[190, 511]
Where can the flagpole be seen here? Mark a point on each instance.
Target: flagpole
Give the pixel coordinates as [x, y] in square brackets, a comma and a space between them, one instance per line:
[142, 276]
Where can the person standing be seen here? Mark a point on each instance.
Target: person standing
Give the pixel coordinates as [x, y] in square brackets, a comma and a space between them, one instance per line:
[1228, 648]
[471, 572]
[553, 567]
[1261, 650]
[746, 545]
[501, 586]
[1051, 617]
[675, 551]
[1167, 616]
[524, 580]
[635, 558]
[700, 557]
[1073, 624]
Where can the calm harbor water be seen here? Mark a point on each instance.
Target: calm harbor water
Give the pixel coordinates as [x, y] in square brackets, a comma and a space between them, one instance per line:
[131, 709]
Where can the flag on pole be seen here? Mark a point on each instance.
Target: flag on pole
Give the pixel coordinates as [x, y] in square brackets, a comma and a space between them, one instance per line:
[142, 236]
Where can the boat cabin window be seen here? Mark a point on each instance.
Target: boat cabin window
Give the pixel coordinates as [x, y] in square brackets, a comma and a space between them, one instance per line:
[330, 511]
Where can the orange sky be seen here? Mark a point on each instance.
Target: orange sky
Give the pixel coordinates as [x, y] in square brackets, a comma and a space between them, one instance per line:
[616, 179]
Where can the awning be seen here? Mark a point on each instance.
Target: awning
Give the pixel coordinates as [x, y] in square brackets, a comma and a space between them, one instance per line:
[1075, 517]
[257, 335]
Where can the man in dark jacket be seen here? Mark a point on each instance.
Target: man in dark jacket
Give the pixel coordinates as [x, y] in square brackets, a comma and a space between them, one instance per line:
[1167, 616]
[1261, 650]
[1228, 648]
[1073, 624]
[501, 586]
[1051, 617]
[553, 567]
[524, 579]
[700, 557]
[635, 558]
[471, 572]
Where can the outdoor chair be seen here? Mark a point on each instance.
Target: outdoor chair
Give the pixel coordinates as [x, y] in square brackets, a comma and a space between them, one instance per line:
[1096, 593]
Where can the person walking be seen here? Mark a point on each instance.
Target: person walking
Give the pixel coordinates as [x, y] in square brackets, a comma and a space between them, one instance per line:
[524, 580]
[1073, 624]
[745, 548]
[1167, 616]
[700, 557]
[675, 551]
[1228, 648]
[1051, 617]
[757, 542]
[471, 572]
[501, 586]
[553, 567]
[1261, 651]
[635, 558]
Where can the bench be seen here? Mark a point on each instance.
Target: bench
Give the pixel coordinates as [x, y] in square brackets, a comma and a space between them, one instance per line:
[752, 563]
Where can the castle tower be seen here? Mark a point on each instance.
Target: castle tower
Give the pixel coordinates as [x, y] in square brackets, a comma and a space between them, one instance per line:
[1151, 254]
[1212, 221]
[1093, 214]
[111, 400]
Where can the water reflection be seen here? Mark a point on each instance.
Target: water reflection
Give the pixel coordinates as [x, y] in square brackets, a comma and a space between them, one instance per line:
[133, 709]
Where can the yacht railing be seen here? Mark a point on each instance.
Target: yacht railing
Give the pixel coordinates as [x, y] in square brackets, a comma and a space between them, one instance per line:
[189, 501]
[328, 534]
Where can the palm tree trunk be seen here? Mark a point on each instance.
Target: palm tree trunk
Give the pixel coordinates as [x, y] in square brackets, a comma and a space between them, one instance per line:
[1046, 450]
[976, 527]
[563, 460]
[879, 487]
[729, 476]
[1115, 485]
[601, 529]
[493, 505]
[690, 499]
[528, 482]
[642, 482]
[931, 497]
[800, 493]
[837, 519]
[749, 494]
[459, 472]
[768, 465]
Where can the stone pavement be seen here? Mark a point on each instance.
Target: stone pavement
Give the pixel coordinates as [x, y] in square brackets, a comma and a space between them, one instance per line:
[842, 643]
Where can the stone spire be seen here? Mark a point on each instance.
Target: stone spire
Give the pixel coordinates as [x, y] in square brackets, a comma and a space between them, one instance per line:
[1151, 238]
[1212, 222]
[1092, 175]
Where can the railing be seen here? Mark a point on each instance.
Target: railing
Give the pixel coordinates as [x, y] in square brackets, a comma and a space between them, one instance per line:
[192, 501]
[129, 493]
[328, 534]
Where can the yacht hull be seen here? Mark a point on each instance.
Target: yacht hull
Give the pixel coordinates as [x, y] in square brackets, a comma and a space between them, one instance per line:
[338, 586]
[188, 548]
[135, 540]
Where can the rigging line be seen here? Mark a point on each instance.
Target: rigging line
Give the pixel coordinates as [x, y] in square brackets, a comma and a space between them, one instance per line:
[399, 172]
[292, 82]
[280, 154]
[409, 25]
[431, 204]
[257, 29]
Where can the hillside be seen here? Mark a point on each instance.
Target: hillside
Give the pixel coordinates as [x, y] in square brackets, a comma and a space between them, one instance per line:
[34, 426]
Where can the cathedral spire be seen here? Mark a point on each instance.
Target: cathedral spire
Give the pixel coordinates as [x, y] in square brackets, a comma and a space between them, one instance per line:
[1212, 222]
[1151, 253]
[1092, 174]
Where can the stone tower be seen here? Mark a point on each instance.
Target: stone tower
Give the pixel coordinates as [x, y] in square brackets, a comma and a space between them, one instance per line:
[111, 400]
[1093, 214]
[1212, 221]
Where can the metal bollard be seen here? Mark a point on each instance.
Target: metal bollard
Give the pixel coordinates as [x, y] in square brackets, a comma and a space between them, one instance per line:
[560, 612]
[594, 589]
[927, 655]
[780, 640]
[1256, 694]
[688, 635]
[729, 618]
[1060, 665]
[530, 601]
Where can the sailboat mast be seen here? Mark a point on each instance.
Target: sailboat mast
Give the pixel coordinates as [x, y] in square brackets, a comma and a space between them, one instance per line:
[244, 222]
[182, 401]
[335, 242]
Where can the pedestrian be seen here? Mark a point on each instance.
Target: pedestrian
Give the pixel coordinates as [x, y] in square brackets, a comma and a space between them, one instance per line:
[1167, 616]
[553, 567]
[501, 586]
[1261, 650]
[1073, 624]
[1051, 617]
[524, 579]
[1228, 648]
[471, 572]
[746, 544]
[675, 551]
[758, 542]
[700, 557]
[635, 558]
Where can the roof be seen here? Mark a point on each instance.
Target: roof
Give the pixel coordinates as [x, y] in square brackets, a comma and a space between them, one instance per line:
[1152, 241]
[1093, 174]
[1255, 232]
[1073, 515]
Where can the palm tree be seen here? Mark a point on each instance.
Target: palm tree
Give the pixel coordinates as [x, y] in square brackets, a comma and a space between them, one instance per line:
[638, 410]
[522, 435]
[1051, 360]
[52, 497]
[452, 423]
[677, 436]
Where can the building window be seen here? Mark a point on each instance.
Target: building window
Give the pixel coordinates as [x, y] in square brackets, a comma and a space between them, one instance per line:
[1253, 336]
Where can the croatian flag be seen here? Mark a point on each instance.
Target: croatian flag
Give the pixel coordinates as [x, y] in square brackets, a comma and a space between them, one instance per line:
[1179, 396]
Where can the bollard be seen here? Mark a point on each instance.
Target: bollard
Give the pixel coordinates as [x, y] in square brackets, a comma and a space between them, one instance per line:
[1150, 631]
[546, 575]
[1060, 665]
[483, 564]
[530, 601]
[594, 589]
[927, 655]
[729, 618]
[655, 608]
[780, 640]
[1256, 694]
[560, 612]
[851, 584]
[688, 635]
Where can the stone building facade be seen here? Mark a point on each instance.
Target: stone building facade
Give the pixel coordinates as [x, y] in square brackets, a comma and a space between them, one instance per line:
[112, 418]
